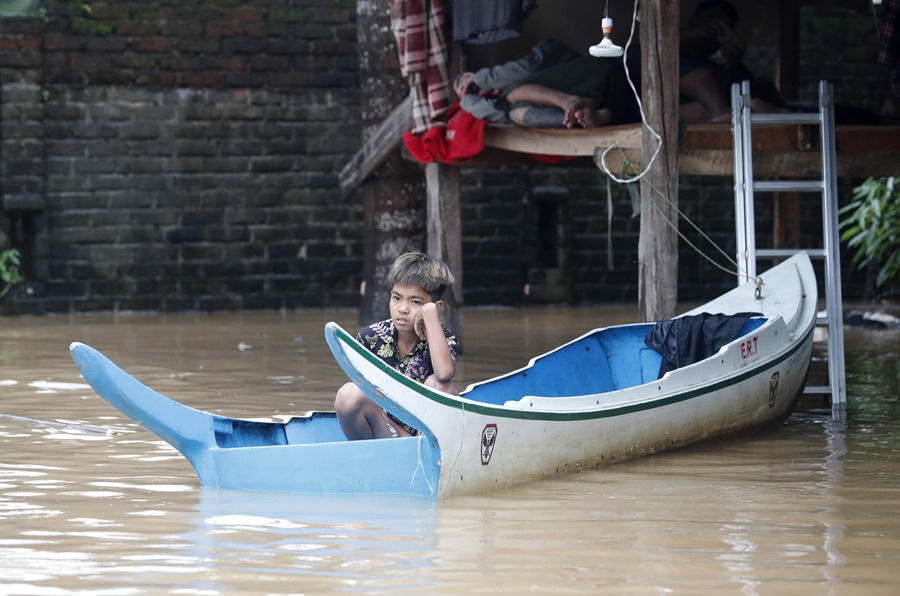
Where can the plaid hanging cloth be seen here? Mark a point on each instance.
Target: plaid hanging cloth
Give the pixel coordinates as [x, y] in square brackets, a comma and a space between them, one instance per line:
[422, 28]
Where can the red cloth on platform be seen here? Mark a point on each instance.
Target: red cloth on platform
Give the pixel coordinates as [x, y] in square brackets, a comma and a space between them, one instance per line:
[461, 138]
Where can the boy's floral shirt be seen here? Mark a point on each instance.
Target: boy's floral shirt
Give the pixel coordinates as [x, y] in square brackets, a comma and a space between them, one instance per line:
[381, 340]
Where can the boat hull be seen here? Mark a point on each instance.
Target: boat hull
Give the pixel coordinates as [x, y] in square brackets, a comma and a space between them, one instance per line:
[752, 382]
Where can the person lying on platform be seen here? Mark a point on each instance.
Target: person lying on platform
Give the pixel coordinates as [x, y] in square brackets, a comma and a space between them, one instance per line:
[412, 341]
[551, 87]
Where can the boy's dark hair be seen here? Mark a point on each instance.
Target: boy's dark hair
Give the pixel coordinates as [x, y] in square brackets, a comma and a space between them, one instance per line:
[415, 268]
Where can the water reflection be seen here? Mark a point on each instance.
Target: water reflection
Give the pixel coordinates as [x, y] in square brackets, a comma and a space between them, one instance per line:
[90, 503]
[343, 537]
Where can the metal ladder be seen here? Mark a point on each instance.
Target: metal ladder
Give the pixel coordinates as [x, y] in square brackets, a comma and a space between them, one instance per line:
[745, 186]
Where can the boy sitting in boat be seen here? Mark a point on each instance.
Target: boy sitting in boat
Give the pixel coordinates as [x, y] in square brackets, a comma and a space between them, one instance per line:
[413, 341]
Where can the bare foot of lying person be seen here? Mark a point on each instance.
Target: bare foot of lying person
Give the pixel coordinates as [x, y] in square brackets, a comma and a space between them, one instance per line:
[591, 118]
[574, 106]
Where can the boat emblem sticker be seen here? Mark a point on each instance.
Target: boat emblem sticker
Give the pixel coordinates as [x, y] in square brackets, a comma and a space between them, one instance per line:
[773, 387]
[488, 440]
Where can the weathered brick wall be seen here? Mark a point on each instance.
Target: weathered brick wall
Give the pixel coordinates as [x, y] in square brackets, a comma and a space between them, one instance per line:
[500, 232]
[509, 220]
[181, 155]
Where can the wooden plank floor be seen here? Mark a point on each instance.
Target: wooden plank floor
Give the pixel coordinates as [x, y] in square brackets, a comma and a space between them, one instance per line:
[707, 149]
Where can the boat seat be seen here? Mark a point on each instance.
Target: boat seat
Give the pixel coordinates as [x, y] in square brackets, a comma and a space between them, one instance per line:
[597, 363]
[620, 345]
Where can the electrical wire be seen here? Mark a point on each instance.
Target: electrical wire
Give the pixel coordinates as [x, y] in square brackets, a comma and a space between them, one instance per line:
[645, 167]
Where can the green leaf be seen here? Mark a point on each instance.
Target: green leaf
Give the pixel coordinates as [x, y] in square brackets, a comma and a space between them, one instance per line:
[870, 226]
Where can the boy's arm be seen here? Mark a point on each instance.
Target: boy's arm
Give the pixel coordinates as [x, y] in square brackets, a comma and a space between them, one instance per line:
[441, 360]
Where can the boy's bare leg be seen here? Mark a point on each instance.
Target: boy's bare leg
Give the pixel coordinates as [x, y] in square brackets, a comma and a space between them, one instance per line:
[359, 416]
[447, 387]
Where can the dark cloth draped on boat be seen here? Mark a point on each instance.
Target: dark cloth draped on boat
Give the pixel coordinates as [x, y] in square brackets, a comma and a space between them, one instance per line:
[689, 339]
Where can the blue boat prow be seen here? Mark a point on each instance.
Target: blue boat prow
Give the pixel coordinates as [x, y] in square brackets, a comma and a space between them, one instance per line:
[186, 429]
[306, 454]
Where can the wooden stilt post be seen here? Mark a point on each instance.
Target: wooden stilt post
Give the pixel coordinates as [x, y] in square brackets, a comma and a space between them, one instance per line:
[658, 244]
[786, 218]
[445, 236]
[393, 194]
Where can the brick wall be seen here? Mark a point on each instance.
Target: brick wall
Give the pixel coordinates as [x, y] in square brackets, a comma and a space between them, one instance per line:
[181, 154]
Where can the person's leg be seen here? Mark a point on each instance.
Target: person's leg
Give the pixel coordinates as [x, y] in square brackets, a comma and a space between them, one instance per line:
[693, 112]
[359, 416]
[551, 117]
[706, 86]
[761, 106]
[547, 96]
[538, 116]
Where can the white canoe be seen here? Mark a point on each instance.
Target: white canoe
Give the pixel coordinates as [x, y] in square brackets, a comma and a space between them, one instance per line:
[597, 399]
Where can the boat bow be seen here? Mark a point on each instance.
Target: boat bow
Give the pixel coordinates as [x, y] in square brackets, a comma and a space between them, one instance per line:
[189, 431]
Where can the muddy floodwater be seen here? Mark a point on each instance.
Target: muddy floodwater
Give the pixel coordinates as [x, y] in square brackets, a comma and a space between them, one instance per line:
[90, 503]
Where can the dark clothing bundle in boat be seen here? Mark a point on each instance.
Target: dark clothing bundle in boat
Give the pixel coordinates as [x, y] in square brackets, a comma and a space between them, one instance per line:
[689, 339]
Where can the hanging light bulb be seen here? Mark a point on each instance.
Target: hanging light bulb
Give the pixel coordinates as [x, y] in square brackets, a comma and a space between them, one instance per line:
[606, 48]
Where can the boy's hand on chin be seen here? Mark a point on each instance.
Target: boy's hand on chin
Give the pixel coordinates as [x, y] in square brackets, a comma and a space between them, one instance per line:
[419, 324]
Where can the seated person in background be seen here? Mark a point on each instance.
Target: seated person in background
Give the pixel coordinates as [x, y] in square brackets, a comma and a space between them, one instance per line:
[710, 62]
[413, 341]
[552, 87]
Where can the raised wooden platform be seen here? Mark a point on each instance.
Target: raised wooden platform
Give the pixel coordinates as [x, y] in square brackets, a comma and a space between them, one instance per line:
[707, 149]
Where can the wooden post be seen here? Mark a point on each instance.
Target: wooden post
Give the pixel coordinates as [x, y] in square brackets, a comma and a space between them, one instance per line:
[787, 59]
[393, 194]
[786, 219]
[658, 244]
[445, 222]
[445, 236]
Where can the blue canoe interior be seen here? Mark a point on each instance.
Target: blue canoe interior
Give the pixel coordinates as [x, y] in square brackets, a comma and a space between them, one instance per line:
[602, 361]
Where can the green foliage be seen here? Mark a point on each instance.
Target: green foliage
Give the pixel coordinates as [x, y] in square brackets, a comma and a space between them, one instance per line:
[15, 8]
[871, 226]
[9, 270]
